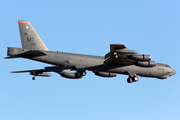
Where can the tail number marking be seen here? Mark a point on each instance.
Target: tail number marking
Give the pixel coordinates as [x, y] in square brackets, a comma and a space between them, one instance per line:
[31, 40]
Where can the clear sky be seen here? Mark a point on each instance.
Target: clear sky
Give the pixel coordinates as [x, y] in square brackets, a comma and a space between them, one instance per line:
[89, 27]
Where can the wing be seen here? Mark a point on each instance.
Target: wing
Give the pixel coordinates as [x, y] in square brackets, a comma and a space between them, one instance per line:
[119, 49]
[59, 70]
[119, 54]
[40, 72]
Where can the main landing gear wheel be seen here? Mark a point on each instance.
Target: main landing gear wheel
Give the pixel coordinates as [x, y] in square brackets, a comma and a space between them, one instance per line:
[82, 73]
[129, 80]
[132, 79]
[135, 79]
[33, 78]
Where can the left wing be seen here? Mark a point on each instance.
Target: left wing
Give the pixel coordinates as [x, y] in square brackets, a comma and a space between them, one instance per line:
[64, 73]
[40, 72]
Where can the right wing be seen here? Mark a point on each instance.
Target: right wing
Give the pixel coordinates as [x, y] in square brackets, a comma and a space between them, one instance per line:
[119, 49]
[119, 54]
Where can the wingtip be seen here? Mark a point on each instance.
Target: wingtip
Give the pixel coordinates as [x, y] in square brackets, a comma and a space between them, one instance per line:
[22, 21]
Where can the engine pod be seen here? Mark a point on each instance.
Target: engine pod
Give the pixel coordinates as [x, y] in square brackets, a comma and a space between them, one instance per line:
[125, 51]
[70, 75]
[105, 74]
[146, 63]
[141, 57]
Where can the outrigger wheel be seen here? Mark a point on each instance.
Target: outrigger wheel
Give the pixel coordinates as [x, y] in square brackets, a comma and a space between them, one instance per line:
[33, 78]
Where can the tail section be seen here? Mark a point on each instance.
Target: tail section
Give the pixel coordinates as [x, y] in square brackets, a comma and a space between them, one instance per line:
[29, 38]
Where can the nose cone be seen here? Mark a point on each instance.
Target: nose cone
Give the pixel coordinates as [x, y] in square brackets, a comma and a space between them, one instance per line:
[173, 72]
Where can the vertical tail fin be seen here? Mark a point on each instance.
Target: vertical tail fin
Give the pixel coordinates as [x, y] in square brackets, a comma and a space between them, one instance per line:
[29, 38]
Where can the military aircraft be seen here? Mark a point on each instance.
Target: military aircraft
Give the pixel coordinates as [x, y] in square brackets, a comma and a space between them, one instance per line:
[119, 60]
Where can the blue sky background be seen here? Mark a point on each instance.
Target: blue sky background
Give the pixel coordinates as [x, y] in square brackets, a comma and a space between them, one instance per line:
[89, 27]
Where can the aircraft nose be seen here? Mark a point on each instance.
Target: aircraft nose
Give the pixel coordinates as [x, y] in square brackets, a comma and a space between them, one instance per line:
[173, 72]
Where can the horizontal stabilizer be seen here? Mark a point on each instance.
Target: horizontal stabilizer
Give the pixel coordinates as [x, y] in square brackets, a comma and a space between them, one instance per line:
[11, 57]
[33, 53]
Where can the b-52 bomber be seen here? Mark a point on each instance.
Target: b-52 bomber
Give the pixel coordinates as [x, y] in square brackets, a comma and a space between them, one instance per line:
[119, 60]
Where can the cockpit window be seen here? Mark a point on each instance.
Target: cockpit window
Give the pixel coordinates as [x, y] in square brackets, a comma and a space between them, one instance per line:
[167, 66]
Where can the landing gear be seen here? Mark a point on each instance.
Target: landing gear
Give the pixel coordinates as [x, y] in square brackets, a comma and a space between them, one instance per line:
[33, 78]
[34, 74]
[129, 80]
[82, 73]
[132, 79]
[135, 79]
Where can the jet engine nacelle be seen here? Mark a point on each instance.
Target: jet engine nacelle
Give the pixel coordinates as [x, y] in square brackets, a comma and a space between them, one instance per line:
[105, 74]
[42, 75]
[70, 75]
[146, 63]
[141, 57]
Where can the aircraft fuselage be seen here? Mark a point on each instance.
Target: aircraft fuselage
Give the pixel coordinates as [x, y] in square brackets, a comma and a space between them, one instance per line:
[95, 63]
[120, 60]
